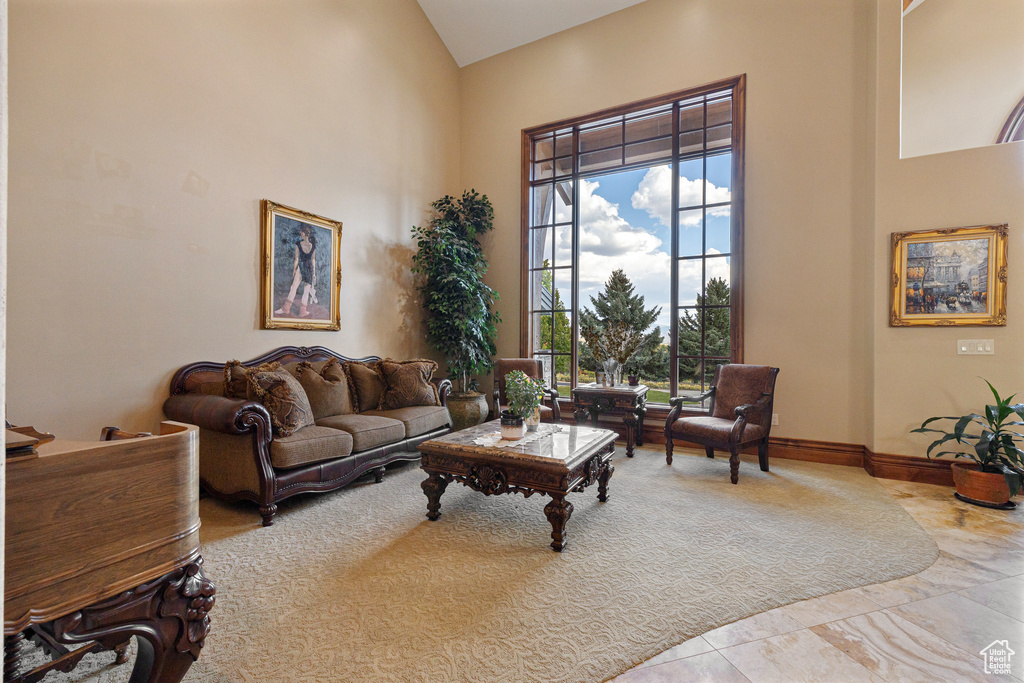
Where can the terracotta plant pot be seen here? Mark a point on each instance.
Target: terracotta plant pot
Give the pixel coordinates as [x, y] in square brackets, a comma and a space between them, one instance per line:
[467, 409]
[984, 488]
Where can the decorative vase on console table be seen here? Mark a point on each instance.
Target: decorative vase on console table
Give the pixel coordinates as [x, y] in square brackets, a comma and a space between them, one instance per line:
[613, 372]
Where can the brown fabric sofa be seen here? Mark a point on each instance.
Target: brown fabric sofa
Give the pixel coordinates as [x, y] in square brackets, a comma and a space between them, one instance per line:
[241, 458]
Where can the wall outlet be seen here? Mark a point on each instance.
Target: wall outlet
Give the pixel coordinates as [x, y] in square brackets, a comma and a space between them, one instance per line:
[775, 419]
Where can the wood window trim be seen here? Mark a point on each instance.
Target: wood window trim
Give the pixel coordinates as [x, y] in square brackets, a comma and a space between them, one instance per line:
[737, 248]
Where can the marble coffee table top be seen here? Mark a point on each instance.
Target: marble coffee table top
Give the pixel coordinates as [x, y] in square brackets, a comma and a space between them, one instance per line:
[557, 444]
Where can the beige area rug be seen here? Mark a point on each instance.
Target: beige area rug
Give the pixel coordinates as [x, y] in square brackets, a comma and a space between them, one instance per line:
[357, 585]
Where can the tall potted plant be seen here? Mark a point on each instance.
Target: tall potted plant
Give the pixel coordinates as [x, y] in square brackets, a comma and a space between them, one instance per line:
[995, 475]
[461, 324]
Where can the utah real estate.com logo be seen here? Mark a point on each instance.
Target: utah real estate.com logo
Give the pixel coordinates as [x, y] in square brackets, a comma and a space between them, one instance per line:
[997, 657]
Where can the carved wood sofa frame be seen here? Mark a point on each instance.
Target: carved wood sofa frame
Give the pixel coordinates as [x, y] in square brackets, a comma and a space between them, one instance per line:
[240, 417]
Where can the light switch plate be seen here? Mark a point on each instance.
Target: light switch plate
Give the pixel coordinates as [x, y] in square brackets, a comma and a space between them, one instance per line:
[975, 347]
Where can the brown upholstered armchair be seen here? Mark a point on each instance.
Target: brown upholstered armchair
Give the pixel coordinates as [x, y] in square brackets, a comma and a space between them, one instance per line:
[740, 414]
[533, 368]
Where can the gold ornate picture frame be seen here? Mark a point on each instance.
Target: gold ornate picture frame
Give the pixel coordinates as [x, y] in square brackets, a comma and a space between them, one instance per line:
[955, 276]
[301, 274]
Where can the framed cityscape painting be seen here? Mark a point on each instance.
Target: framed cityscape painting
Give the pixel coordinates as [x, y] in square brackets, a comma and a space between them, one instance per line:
[955, 276]
[301, 269]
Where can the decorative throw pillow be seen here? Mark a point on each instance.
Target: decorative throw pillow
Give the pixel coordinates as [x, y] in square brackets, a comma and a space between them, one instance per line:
[236, 377]
[317, 365]
[326, 388]
[408, 383]
[283, 397]
[366, 384]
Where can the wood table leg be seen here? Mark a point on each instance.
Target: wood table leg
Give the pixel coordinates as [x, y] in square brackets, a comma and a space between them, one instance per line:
[558, 511]
[629, 419]
[640, 414]
[12, 655]
[434, 485]
[602, 482]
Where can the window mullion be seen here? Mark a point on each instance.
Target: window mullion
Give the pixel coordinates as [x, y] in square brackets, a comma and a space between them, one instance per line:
[574, 321]
[673, 383]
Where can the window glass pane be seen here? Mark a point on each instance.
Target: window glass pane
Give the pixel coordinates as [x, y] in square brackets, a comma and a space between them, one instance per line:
[563, 245]
[691, 187]
[563, 201]
[542, 205]
[691, 142]
[540, 290]
[691, 237]
[596, 161]
[541, 332]
[716, 334]
[563, 375]
[599, 138]
[719, 178]
[690, 281]
[719, 230]
[649, 127]
[691, 117]
[716, 280]
[562, 289]
[542, 148]
[563, 166]
[719, 112]
[650, 151]
[690, 365]
[720, 136]
[543, 170]
[563, 144]
[541, 241]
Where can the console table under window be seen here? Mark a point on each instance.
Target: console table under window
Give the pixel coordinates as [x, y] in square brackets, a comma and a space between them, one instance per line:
[590, 401]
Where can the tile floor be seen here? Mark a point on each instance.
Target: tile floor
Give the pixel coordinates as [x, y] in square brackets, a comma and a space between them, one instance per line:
[927, 627]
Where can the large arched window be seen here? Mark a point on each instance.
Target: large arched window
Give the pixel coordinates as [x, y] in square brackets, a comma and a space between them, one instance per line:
[643, 200]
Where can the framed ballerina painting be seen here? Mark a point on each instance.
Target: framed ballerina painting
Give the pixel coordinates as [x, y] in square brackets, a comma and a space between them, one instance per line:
[301, 269]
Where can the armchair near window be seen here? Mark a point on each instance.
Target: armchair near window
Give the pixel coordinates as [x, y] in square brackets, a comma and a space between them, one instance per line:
[740, 414]
[533, 368]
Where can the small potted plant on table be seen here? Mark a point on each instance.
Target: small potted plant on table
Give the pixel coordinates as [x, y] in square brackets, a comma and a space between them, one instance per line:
[524, 395]
[995, 475]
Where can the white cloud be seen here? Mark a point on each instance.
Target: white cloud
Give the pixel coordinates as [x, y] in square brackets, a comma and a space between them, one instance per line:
[654, 195]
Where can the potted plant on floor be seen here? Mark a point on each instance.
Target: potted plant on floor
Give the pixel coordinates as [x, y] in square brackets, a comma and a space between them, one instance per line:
[995, 475]
[461, 324]
[524, 395]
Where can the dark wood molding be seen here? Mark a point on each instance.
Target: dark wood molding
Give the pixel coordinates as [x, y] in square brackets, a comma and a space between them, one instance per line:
[880, 465]
[908, 468]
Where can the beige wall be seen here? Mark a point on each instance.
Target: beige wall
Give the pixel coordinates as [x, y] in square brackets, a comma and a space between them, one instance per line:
[143, 135]
[808, 187]
[963, 73]
[917, 371]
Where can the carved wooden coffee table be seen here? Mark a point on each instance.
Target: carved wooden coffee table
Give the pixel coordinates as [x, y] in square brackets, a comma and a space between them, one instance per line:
[564, 459]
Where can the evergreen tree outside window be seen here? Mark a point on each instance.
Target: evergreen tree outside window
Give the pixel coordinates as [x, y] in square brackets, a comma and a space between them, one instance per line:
[664, 259]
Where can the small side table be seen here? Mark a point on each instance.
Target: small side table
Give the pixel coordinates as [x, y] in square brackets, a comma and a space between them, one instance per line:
[593, 400]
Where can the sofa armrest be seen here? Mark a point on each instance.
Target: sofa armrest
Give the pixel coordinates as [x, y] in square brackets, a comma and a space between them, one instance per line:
[444, 387]
[227, 415]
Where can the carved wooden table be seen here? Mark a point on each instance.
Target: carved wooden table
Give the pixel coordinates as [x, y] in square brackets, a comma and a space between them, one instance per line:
[593, 400]
[102, 544]
[564, 459]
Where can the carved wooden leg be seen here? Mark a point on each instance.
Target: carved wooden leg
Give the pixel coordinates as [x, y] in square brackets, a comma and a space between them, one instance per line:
[668, 447]
[12, 655]
[434, 485]
[169, 618]
[602, 482]
[378, 475]
[121, 652]
[640, 413]
[762, 455]
[734, 464]
[629, 419]
[267, 512]
[558, 511]
[709, 451]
